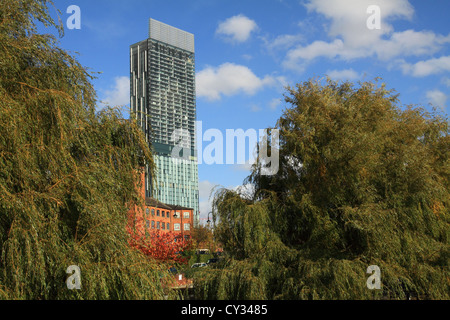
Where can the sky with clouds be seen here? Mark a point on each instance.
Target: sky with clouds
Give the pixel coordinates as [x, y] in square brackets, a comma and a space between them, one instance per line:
[248, 51]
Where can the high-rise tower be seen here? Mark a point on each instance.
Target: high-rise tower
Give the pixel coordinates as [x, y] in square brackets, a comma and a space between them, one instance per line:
[162, 87]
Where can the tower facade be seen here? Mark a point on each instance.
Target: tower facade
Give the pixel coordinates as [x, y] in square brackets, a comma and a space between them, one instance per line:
[162, 91]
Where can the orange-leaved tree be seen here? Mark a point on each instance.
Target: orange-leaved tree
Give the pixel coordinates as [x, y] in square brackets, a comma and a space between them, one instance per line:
[163, 246]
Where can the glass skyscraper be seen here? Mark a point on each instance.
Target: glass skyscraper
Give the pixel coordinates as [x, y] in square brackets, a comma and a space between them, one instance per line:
[162, 87]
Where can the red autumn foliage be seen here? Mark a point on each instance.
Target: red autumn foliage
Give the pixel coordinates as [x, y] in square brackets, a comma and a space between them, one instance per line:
[163, 246]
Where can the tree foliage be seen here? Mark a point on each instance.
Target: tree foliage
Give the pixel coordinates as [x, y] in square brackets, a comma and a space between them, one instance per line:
[161, 246]
[362, 181]
[202, 237]
[67, 173]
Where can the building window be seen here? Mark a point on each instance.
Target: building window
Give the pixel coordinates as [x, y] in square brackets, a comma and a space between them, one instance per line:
[157, 213]
[187, 226]
[186, 215]
[153, 212]
[162, 213]
[168, 226]
[153, 224]
[163, 225]
[177, 215]
[176, 227]
[157, 225]
[147, 211]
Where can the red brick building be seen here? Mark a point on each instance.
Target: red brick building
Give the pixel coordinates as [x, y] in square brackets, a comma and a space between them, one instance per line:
[165, 217]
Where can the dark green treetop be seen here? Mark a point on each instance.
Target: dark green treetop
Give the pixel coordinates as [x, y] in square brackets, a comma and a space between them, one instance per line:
[67, 173]
[361, 182]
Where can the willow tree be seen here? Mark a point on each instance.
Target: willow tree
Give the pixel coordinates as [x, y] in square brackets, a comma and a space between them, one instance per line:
[362, 181]
[67, 173]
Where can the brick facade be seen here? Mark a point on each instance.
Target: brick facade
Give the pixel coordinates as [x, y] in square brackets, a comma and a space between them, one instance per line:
[165, 217]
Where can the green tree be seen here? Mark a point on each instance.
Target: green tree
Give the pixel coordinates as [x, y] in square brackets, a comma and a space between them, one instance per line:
[67, 173]
[202, 237]
[362, 182]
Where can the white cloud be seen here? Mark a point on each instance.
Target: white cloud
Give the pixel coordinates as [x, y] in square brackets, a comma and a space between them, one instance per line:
[295, 58]
[308, 26]
[437, 98]
[427, 67]
[349, 18]
[119, 94]
[246, 191]
[205, 202]
[346, 74]
[351, 38]
[237, 28]
[282, 42]
[204, 188]
[446, 81]
[410, 43]
[274, 103]
[229, 79]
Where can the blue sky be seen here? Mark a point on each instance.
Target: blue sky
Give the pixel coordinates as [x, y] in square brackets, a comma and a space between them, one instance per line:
[247, 51]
